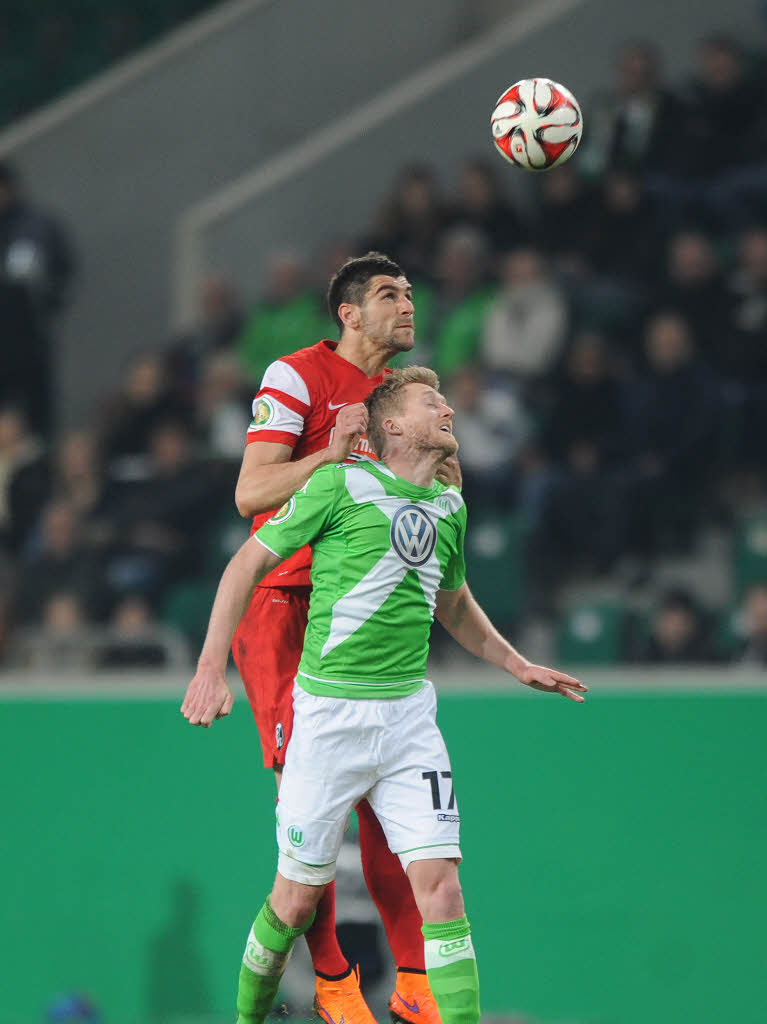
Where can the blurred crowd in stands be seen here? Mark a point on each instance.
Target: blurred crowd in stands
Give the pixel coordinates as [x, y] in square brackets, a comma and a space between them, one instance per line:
[603, 344]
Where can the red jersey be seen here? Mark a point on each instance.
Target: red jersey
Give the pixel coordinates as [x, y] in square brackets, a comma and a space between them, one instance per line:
[297, 404]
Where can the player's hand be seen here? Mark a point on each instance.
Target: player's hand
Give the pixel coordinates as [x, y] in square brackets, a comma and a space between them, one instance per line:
[207, 697]
[351, 424]
[549, 680]
[449, 473]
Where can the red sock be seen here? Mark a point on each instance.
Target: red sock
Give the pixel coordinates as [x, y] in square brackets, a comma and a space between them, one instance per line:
[390, 889]
[321, 938]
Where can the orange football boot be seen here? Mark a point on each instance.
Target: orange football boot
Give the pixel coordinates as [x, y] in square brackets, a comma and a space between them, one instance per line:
[341, 1002]
[411, 1001]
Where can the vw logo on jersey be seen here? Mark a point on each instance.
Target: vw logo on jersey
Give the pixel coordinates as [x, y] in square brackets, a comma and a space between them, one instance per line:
[413, 535]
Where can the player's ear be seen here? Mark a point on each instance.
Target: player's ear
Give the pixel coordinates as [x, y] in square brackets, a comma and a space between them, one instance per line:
[391, 427]
[350, 315]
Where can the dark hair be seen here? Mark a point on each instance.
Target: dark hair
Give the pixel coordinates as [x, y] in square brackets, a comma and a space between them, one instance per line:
[349, 283]
[387, 398]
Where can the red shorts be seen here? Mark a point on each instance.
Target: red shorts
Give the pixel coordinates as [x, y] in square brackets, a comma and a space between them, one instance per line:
[267, 649]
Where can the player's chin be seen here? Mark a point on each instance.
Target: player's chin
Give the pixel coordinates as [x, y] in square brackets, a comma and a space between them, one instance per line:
[449, 444]
[403, 340]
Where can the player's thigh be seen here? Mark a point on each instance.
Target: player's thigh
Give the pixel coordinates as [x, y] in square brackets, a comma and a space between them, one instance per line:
[329, 767]
[267, 649]
[414, 798]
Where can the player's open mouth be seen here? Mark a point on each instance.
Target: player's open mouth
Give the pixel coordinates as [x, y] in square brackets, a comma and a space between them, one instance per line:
[446, 428]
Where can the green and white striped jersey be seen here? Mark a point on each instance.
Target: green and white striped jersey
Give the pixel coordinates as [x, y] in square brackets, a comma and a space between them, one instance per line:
[381, 549]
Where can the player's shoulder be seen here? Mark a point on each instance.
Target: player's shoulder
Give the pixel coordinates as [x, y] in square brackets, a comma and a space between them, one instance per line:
[312, 355]
[326, 478]
[300, 374]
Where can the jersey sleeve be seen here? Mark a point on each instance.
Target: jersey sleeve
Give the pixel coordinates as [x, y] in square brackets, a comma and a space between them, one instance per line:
[281, 406]
[454, 575]
[305, 516]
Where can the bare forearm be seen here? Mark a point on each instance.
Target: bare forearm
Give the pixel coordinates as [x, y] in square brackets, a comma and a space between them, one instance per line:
[462, 617]
[470, 626]
[267, 486]
[240, 577]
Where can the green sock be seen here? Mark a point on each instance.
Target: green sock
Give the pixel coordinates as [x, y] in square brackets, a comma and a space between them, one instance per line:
[266, 955]
[452, 970]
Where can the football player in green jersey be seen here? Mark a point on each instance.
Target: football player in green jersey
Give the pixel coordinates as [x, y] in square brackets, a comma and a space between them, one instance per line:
[387, 542]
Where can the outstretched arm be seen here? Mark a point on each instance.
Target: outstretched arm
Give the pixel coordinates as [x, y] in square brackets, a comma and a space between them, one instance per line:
[208, 695]
[463, 618]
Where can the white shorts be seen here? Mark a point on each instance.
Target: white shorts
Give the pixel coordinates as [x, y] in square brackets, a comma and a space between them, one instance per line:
[341, 751]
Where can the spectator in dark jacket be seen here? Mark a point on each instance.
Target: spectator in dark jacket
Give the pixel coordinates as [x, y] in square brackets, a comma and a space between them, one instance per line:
[636, 124]
[627, 244]
[721, 140]
[144, 400]
[582, 440]
[694, 285]
[480, 204]
[671, 413]
[679, 633]
[158, 517]
[566, 218]
[217, 327]
[36, 272]
[61, 563]
[408, 224]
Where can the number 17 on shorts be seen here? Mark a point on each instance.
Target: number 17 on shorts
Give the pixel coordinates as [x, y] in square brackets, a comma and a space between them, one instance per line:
[441, 784]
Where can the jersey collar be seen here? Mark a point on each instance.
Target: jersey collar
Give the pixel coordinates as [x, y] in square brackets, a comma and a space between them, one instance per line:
[330, 348]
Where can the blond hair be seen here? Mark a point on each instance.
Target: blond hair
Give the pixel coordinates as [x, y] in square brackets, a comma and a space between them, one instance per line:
[387, 399]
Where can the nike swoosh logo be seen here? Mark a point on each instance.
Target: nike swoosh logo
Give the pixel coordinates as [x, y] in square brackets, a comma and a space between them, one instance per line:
[324, 1013]
[413, 1008]
[334, 405]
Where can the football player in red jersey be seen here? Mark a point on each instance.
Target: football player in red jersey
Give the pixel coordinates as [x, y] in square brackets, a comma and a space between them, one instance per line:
[309, 413]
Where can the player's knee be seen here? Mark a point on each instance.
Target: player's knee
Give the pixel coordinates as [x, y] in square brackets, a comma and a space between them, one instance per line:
[293, 902]
[446, 900]
[300, 910]
[437, 890]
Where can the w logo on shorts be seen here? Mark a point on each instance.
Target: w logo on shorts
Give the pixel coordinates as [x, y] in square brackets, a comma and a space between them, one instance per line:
[413, 535]
[296, 836]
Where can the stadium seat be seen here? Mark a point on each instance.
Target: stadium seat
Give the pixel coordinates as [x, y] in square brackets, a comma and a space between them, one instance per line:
[494, 569]
[592, 633]
[750, 553]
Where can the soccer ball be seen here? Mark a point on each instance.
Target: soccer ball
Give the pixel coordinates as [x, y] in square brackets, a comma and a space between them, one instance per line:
[536, 124]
